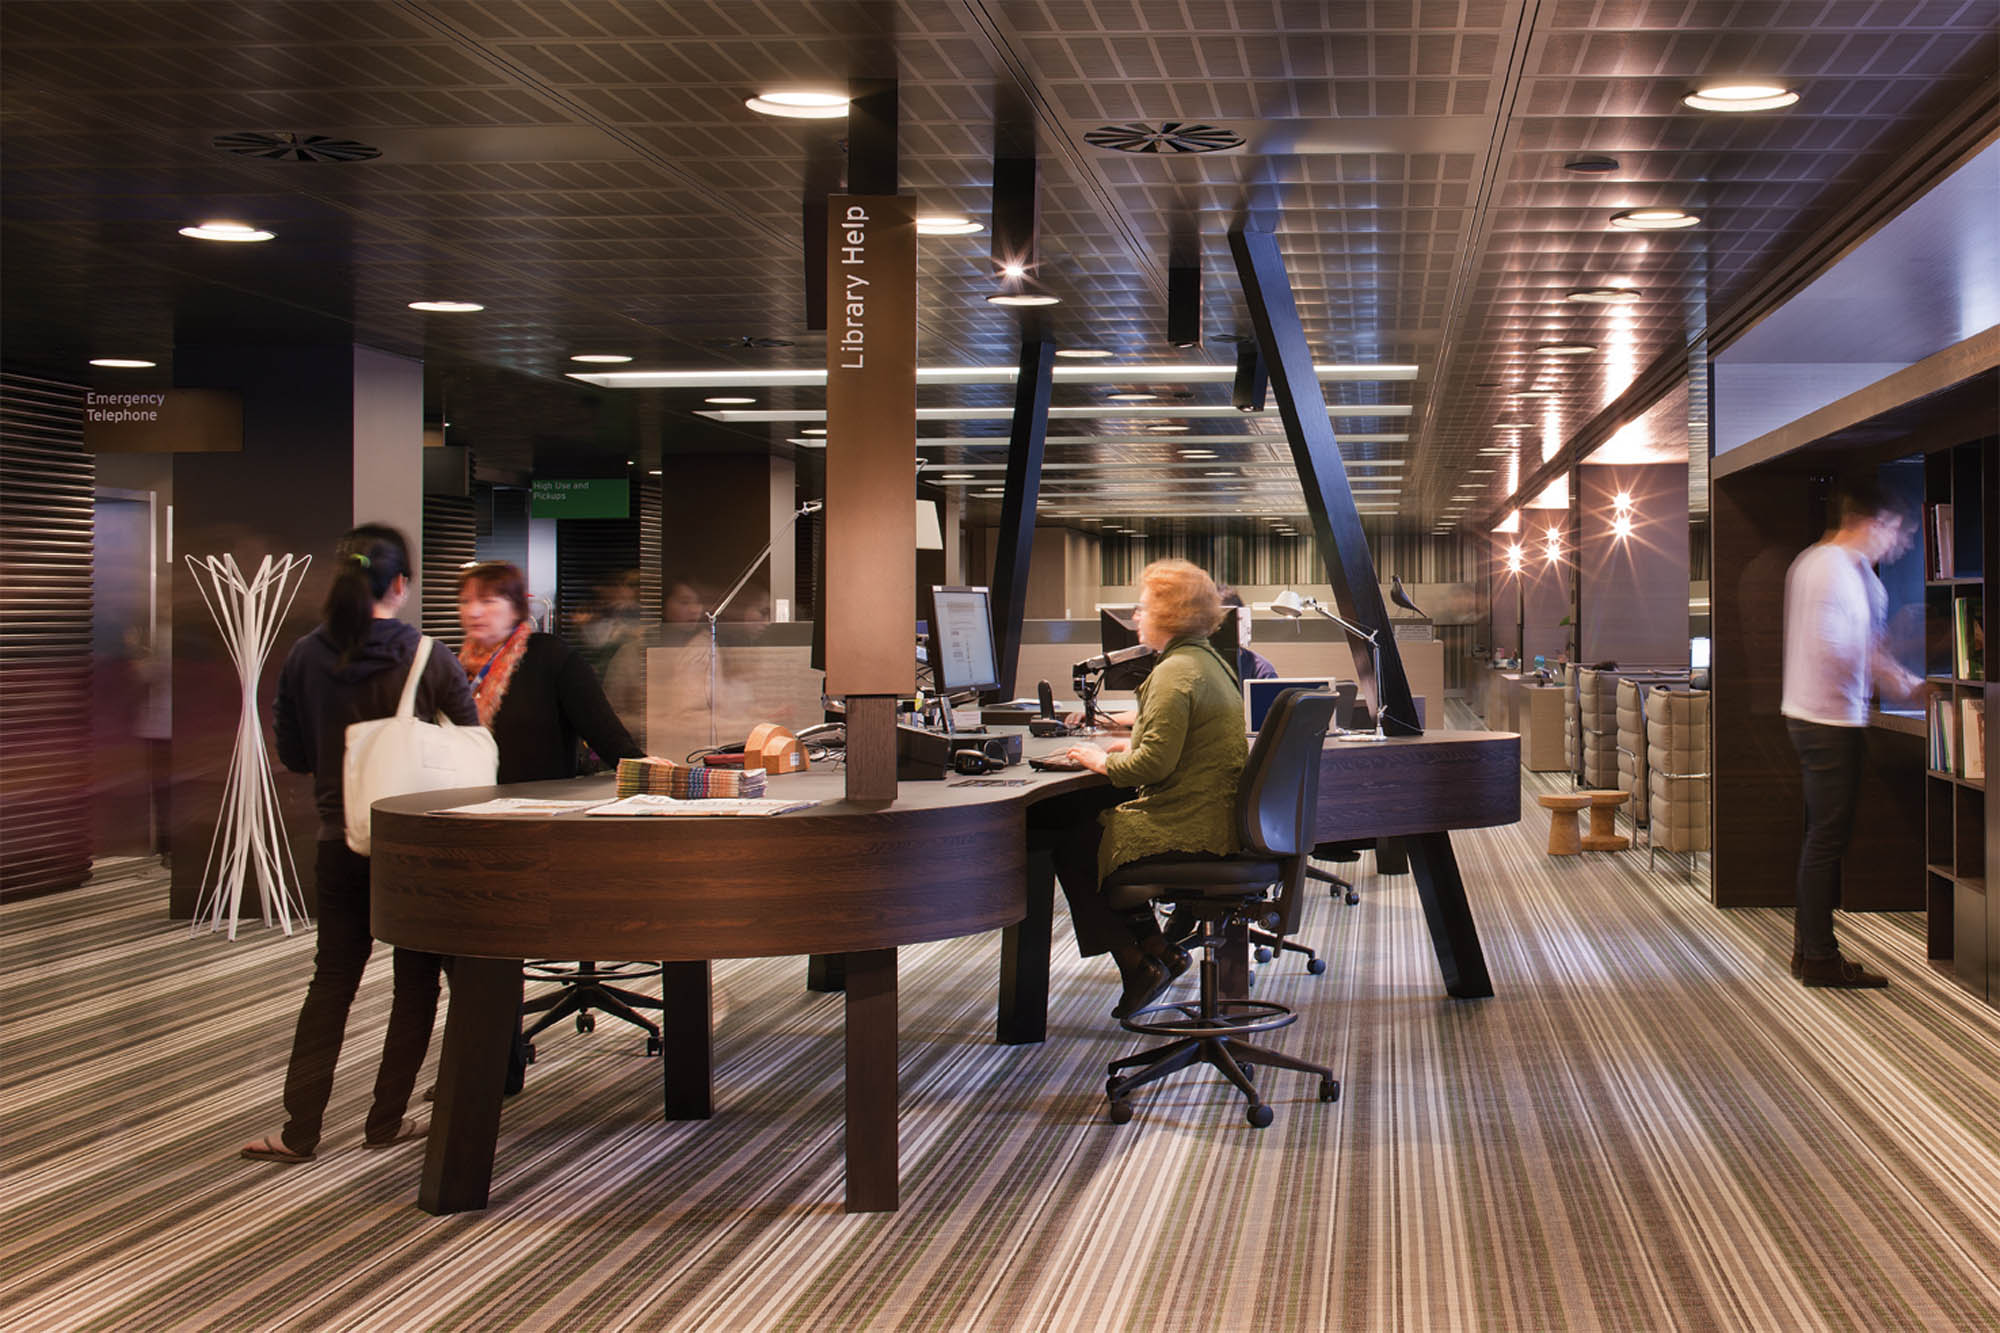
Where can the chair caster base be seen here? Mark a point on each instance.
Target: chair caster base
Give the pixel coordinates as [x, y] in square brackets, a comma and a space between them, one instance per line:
[1261, 954]
[585, 1023]
[1259, 1115]
[1329, 1090]
[1315, 965]
[1352, 897]
[1121, 1112]
[653, 1046]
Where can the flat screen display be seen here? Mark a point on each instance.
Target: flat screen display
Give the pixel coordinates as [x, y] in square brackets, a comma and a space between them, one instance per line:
[961, 640]
[1698, 654]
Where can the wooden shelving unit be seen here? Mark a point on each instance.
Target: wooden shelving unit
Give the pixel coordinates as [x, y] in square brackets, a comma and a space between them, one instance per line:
[1963, 923]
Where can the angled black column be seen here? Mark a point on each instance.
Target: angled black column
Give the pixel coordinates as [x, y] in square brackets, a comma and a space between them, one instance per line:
[1017, 508]
[1350, 568]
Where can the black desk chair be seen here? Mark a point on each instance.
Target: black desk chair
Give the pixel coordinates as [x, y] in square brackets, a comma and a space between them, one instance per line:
[1275, 807]
[584, 988]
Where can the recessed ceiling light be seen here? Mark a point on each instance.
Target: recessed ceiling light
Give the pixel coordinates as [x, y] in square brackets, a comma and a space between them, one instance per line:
[1131, 397]
[1197, 453]
[1565, 349]
[227, 231]
[732, 402]
[799, 106]
[940, 225]
[1510, 425]
[1166, 430]
[1084, 353]
[954, 476]
[1226, 473]
[994, 490]
[446, 307]
[122, 363]
[601, 358]
[653, 472]
[1023, 298]
[1653, 219]
[1740, 97]
[1602, 295]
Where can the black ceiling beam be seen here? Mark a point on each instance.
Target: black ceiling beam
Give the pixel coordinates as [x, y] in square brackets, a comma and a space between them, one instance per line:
[1357, 590]
[1017, 507]
[871, 136]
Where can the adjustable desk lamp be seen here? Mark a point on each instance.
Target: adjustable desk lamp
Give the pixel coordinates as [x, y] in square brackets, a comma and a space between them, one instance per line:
[1291, 606]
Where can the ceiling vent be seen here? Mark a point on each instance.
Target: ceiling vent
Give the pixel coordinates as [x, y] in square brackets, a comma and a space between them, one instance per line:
[741, 344]
[1167, 137]
[284, 146]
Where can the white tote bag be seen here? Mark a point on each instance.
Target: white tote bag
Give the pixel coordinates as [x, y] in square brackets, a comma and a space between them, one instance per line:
[393, 756]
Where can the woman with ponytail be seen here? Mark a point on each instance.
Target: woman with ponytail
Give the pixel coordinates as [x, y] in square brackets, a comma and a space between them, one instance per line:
[351, 669]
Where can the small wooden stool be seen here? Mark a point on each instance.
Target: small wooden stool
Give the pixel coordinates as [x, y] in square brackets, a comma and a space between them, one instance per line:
[1604, 835]
[1564, 839]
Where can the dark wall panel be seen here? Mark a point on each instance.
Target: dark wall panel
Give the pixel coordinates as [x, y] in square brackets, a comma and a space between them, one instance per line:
[450, 541]
[1634, 589]
[46, 509]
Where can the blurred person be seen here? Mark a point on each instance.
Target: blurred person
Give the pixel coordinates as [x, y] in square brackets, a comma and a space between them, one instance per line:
[1173, 783]
[1835, 657]
[1250, 665]
[352, 669]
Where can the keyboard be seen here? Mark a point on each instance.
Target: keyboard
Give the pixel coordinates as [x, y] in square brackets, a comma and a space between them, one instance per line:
[1057, 763]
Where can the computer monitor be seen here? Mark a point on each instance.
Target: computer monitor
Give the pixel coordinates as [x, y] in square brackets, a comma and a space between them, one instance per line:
[1259, 695]
[1698, 654]
[961, 641]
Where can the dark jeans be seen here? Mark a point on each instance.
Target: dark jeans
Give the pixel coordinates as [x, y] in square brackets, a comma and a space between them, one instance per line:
[341, 879]
[1830, 760]
[1066, 827]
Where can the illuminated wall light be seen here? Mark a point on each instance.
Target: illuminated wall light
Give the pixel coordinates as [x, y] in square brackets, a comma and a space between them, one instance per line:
[1740, 97]
[1621, 527]
[799, 105]
[1514, 558]
[1622, 502]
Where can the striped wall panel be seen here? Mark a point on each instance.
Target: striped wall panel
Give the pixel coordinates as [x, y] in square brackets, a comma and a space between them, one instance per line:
[647, 502]
[450, 540]
[46, 521]
[590, 554]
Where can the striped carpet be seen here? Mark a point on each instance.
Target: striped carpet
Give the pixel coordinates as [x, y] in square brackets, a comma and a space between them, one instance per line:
[1649, 1127]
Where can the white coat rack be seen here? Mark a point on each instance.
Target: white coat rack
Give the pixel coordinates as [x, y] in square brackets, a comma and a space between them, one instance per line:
[250, 830]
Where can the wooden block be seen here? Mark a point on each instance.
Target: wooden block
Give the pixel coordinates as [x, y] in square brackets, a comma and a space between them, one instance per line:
[1604, 835]
[1564, 837]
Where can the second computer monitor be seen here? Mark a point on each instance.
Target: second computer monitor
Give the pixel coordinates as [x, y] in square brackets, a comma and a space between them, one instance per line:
[961, 641]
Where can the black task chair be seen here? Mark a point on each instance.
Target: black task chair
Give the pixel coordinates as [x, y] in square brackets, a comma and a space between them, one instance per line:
[583, 988]
[1275, 806]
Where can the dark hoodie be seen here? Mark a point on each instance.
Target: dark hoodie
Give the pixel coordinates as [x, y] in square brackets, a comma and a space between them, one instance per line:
[319, 695]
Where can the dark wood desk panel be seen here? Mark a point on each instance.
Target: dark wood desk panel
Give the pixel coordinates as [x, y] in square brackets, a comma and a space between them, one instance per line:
[1407, 785]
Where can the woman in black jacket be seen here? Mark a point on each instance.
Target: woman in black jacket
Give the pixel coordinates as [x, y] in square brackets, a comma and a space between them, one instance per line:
[351, 669]
[536, 695]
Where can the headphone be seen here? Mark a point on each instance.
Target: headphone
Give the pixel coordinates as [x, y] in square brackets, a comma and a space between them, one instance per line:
[975, 757]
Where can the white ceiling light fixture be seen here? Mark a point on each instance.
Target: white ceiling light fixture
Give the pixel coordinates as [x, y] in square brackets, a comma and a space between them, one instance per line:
[813, 430]
[805, 443]
[1084, 353]
[1166, 430]
[799, 105]
[1565, 349]
[1603, 295]
[1741, 97]
[447, 307]
[939, 224]
[122, 363]
[1653, 219]
[601, 358]
[730, 402]
[1130, 397]
[227, 231]
[726, 377]
[1023, 298]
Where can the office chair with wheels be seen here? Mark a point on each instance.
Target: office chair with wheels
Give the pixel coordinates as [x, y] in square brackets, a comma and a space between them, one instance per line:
[584, 988]
[1275, 807]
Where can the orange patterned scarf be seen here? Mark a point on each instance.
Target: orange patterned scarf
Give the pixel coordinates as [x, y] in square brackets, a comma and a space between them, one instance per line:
[489, 684]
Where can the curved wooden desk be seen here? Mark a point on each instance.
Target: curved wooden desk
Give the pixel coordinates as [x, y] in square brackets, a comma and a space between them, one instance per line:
[852, 879]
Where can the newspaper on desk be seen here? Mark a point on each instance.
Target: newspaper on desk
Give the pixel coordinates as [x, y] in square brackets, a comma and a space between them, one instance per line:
[647, 803]
[518, 805]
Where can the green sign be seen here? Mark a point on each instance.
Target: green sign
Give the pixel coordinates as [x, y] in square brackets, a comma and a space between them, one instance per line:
[580, 497]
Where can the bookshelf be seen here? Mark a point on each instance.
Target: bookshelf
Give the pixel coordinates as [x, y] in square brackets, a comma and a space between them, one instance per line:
[1960, 524]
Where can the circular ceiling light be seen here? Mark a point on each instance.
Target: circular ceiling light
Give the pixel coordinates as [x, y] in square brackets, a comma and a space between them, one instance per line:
[446, 307]
[799, 106]
[122, 363]
[1602, 295]
[942, 225]
[1131, 397]
[1595, 163]
[1653, 219]
[1023, 298]
[729, 402]
[1565, 349]
[1740, 97]
[1084, 353]
[601, 358]
[1168, 137]
[227, 231]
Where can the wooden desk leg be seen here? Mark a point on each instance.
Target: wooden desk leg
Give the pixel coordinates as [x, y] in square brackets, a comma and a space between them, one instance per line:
[687, 1054]
[1453, 935]
[872, 1167]
[1024, 960]
[826, 973]
[1392, 856]
[465, 1120]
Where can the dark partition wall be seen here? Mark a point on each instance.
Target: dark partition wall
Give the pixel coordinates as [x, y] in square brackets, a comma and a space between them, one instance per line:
[1634, 586]
[46, 482]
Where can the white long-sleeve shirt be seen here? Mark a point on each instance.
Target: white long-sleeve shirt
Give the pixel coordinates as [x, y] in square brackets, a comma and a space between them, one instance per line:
[1835, 611]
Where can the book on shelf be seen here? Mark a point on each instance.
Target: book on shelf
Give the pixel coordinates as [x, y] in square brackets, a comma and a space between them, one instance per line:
[1968, 637]
[1938, 556]
[1972, 714]
[1944, 737]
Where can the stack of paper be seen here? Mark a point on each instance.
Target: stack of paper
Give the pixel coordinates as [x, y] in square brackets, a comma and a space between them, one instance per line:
[663, 777]
[647, 803]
